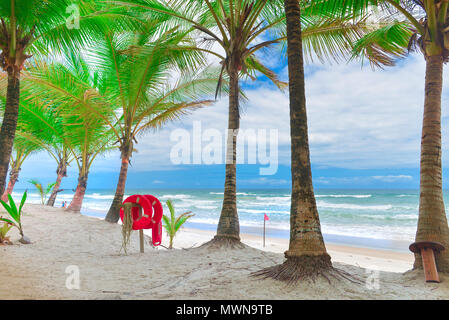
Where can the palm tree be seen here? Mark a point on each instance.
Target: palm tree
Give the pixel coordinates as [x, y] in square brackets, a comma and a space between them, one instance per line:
[140, 90]
[41, 28]
[24, 145]
[237, 28]
[94, 143]
[306, 255]
[405, 26]
[30, 137]
[40, 125]
[45, 127]
[72, 90]
[23, 148]
[63, 158]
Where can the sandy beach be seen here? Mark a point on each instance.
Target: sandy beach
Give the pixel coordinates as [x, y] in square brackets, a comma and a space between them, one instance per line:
[63, 242]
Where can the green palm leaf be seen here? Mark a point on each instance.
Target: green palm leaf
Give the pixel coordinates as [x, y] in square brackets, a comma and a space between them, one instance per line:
[49, 187]
[385, 45]
[22, 202]
[182, 219]
[13, 212]
[7, 221]
[172, 224]
[10, 211]
[13, 208]
[166, 224]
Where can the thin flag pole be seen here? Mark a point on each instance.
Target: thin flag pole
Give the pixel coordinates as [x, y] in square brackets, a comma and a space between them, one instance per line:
[264, 231]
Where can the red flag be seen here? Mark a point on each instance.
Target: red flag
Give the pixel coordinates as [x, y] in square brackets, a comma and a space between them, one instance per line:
[265, 217]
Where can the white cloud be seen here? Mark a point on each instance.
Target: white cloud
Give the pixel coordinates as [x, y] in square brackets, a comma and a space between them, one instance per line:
[265, 181]
[392, 178]
[364, 180]
[358, 119]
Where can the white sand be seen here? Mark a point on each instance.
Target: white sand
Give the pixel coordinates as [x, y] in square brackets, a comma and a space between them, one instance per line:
[61, 239]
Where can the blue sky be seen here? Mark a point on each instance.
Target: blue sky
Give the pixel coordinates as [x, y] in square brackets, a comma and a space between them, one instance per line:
[364, 130]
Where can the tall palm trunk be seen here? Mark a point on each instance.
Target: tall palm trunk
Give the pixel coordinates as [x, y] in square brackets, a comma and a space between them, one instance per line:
[9, 125]
[305, 229]
[228, 225]
[80, 191]
[61, 173]
[13, 177]
[114, 211]
[432, 221]
[306, 255]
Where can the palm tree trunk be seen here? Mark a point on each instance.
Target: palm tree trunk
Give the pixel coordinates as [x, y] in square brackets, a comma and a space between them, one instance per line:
[305, 229]
[228, 226]
[13, 177]
[114, 211]
[306, 255]
[432, 221]
[61, 173]
[78, 198]
[8, 129]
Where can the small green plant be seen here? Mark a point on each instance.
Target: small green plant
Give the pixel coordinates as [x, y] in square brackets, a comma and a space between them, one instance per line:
[3, 232]
[16, 215]
[43, 193]
[172, 224]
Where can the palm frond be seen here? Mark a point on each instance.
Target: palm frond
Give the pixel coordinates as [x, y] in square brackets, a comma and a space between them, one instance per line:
[182, 219]
[255, 65]
[385, 45]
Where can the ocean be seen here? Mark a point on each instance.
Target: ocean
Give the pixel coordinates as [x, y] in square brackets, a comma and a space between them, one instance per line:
[375, 218]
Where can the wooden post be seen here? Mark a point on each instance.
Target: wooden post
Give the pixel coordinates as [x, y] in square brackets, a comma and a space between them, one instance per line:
[264, 231]
[427, 250]
[141, 238]
[429, 265]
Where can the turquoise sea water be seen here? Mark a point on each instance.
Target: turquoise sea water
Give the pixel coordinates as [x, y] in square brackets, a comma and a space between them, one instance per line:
[390, 215]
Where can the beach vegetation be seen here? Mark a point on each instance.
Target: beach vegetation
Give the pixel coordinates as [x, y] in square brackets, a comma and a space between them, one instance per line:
[172, 223]
[16, 215]
[4, 229]
[43, 192]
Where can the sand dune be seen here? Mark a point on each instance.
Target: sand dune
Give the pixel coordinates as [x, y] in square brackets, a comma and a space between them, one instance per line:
[62, 239]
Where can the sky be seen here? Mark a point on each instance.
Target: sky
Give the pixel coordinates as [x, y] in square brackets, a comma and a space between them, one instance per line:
[364, 131]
